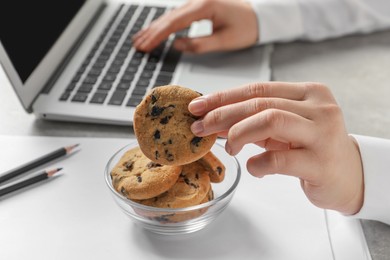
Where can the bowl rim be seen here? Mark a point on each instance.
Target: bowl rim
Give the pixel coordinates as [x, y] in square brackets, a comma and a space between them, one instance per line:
[231, 189]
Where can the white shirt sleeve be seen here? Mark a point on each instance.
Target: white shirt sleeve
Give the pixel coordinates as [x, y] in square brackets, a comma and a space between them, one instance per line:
[288, 20]
[375, 153]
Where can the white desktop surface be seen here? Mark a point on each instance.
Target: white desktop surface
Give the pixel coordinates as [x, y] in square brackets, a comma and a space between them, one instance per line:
[73, 215]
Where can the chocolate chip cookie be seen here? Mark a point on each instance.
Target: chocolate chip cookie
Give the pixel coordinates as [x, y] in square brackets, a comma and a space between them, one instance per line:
[214, 166]
[162, 127]
[190, 189]
[137, 177]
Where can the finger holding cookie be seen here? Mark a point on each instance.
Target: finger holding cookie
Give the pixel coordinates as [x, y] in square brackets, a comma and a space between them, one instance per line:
[302, 129]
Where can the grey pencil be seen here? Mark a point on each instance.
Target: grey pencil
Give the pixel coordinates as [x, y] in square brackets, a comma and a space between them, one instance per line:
[40, 177]
[37, 162]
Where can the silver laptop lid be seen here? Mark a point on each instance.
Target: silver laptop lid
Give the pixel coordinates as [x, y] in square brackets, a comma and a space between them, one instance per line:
[35, 39]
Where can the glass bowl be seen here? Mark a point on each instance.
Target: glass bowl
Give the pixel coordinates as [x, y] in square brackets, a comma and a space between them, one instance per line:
[173, 221]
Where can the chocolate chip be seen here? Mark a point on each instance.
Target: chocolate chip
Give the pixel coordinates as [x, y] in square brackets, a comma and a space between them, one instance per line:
[162, 218]
[153, 165]
[194, 185]
[139, 178]
[156, 135]
[169, 156]
[156, 110]
[165, 120]
[197, 176]
[219, 170]
[188, 182]
[196, 140]
[156, 155]
[128, 165]
[123, 191]
[154, 98]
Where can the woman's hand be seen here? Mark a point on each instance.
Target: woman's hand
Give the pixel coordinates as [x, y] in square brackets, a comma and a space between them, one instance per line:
[302, 130]
[234, 27]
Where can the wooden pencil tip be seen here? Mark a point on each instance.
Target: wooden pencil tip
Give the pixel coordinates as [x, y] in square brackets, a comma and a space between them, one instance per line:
[54, 171]
[71, 147]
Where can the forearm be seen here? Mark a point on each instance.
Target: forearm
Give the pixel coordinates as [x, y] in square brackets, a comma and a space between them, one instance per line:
[287, 20]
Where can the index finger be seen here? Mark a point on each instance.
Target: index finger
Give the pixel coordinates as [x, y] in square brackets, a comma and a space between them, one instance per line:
[292, 91]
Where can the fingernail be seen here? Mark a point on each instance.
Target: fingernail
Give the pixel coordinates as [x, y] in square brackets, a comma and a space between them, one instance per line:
[228, 149]
[197, 106]
[197, 127]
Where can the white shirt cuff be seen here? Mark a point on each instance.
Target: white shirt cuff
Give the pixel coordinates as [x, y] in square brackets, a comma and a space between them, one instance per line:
[278, 20]
[375, 153]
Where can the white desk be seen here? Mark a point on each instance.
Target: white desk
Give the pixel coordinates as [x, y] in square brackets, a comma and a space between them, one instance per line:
[73, 216]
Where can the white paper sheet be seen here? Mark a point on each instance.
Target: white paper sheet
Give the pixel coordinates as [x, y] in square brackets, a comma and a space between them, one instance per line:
[73, 216]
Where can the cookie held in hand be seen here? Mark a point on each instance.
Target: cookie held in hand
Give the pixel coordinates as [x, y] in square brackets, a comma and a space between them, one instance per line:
[162, 126]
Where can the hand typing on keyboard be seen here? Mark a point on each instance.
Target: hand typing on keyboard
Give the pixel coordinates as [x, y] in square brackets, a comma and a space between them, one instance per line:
[234, 27]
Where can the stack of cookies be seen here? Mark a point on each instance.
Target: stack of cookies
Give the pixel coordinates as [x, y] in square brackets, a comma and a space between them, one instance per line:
[171, 167]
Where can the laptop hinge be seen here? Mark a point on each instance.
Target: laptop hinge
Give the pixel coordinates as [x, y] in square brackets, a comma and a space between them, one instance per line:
[50, 83]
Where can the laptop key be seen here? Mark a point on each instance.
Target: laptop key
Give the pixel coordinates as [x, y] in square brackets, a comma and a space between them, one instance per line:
[65, 96]
[99, 65]
[131, 69]
[135, 61]
[123, 86]
[171, 60]
[164, 77]
[150, 66]
[90, 80]
[127, 78]
[77, 77]
[114, 69]
[117, 98]
[80, 97]
[105, 86]
[160, 83]
[71, 86]
[139, 54]
[85, 88]
[94, 72]
[140, 91]
[147, 74]
[109, 78]
[98, 98]
[143, 82]
[134, 101]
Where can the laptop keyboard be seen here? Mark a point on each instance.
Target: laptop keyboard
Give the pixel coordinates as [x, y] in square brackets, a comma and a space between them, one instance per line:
[116, 74]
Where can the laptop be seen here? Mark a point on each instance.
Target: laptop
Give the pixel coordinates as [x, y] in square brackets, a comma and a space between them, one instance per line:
[74, 60]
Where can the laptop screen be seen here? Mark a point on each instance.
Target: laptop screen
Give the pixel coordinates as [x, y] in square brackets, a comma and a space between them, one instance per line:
[28, 30]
